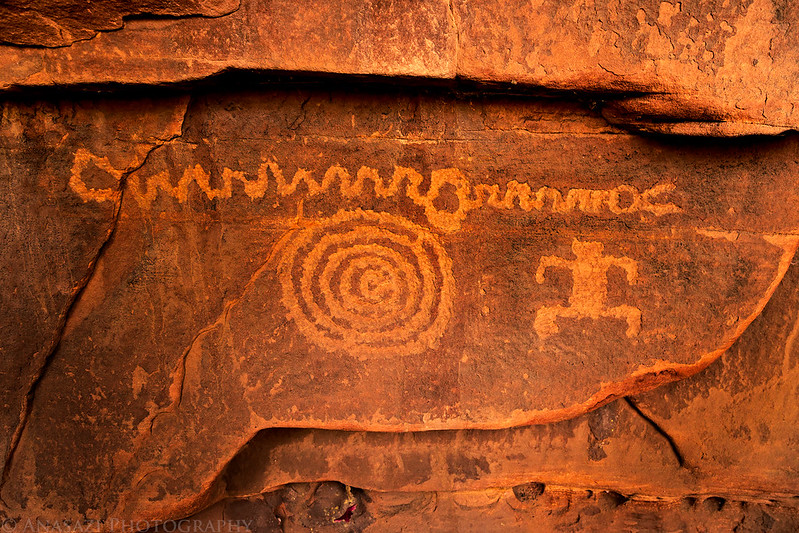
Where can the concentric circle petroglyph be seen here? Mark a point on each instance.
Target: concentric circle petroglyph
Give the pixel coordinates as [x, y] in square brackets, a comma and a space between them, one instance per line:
[367, 283]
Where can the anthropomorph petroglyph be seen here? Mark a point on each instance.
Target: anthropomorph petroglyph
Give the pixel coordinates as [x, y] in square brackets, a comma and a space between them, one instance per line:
[590, 290]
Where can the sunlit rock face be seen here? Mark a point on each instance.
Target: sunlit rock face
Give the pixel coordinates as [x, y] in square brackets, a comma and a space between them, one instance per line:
[405, 284]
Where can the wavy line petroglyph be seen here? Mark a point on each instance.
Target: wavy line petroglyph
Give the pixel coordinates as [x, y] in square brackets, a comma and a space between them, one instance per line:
[83, 158]
[623, 199]
[590, 290]
[370, 284]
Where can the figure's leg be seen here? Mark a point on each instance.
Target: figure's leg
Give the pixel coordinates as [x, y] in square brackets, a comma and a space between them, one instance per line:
[545, 324]
[545, 321]
[631, 314]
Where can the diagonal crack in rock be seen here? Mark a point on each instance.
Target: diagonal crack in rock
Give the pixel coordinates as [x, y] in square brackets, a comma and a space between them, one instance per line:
[46, 356]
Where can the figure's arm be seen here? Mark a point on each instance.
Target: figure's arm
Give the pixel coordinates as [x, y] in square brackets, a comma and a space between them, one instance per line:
[549, 261]
[630, 266]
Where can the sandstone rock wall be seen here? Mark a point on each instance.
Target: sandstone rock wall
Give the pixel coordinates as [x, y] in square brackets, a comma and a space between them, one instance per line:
[332, 265]
[681, 67]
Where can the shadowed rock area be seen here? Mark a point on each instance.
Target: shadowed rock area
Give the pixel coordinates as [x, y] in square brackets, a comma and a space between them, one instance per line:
[331, 507]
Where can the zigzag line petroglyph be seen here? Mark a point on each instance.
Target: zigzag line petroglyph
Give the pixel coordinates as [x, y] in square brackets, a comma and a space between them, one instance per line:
[623, 199]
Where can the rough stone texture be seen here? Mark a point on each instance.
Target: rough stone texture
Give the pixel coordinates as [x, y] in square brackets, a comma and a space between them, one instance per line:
[51, 239]
[729, 431]
[331, 507]
[704, 67]
[629, 476]
[610, 447]
[402, 38]
[216, 300]
[61, 23]
[739, 420]
[229, 302]
[690, 67]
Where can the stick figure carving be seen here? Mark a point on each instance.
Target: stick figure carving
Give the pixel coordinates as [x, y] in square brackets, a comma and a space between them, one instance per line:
[590, 290]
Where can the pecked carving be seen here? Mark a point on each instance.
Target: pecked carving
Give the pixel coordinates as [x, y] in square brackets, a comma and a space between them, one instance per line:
[369, 284]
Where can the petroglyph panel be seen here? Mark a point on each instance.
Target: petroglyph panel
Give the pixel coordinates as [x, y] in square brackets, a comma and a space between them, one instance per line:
[382, 262]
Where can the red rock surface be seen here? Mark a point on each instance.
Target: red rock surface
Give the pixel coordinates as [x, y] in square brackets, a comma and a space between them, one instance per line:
[729, 431]
[324, 508]
[61, 23]
[51, 239]
[680, 67]
[715, 452]
[370, 265]
[228, 302]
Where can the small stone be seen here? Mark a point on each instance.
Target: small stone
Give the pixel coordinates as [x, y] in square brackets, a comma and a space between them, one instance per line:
[591, 510]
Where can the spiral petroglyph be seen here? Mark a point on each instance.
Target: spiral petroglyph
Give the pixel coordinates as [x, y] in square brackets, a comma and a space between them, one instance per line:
[368, 283]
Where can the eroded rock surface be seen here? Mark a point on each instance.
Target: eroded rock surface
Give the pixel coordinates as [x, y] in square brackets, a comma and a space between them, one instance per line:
[48, 23]
[331, 507]
[690, 67]
[51, 239]
[285, 292]
[729, 431]
[719, 456]
[406, 38]
[373, 261]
